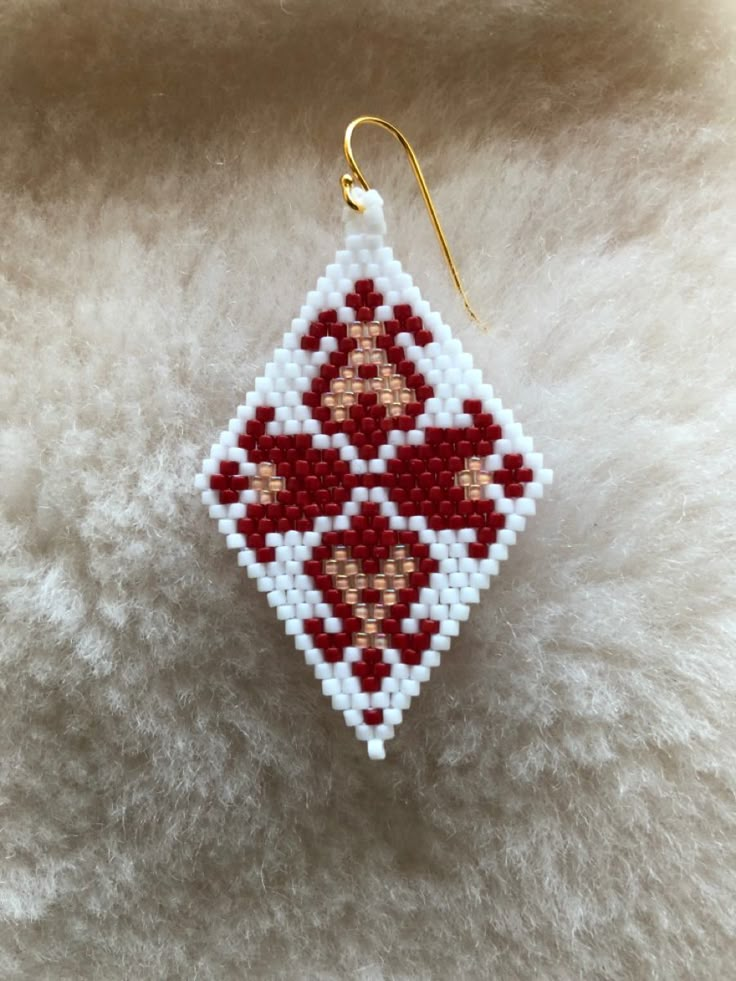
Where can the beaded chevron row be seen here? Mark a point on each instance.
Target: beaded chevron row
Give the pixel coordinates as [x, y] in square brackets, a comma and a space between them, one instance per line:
[371, 483]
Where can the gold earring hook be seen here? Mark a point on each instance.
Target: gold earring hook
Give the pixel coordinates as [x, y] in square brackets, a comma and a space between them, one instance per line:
[347, 182]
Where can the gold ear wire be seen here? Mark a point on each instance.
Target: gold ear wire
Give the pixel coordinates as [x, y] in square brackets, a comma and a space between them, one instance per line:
[347, 182]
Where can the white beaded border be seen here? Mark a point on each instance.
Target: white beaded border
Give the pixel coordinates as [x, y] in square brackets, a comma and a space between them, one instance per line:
[460, 579]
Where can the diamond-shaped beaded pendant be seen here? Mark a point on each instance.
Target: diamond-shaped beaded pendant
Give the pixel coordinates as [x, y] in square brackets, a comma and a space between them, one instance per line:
[371, 483]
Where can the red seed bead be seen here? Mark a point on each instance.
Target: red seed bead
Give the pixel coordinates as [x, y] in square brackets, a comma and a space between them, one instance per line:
[512, 461]
[333, 654]
[514, 490]
[373, 716]
[524, 475]
[370, 684]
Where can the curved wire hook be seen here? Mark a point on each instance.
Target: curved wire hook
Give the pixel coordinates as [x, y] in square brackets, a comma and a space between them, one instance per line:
[347, 182]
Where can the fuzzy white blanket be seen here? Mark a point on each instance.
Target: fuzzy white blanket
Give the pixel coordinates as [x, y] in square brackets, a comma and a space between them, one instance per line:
[178, 800]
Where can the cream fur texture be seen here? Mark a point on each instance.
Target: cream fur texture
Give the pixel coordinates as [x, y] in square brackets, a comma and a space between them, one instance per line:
[178, 800]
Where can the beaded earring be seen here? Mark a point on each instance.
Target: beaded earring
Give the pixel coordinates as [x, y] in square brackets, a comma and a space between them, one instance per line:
[371, 483]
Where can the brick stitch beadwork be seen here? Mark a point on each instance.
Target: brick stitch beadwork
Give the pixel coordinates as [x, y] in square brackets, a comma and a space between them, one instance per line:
[371, 483]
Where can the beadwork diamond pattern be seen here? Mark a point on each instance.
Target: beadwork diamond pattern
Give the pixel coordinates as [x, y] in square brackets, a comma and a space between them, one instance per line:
[371, 483]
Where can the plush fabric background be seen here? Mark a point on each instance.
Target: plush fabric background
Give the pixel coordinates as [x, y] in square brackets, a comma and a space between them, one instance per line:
[178, 799]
